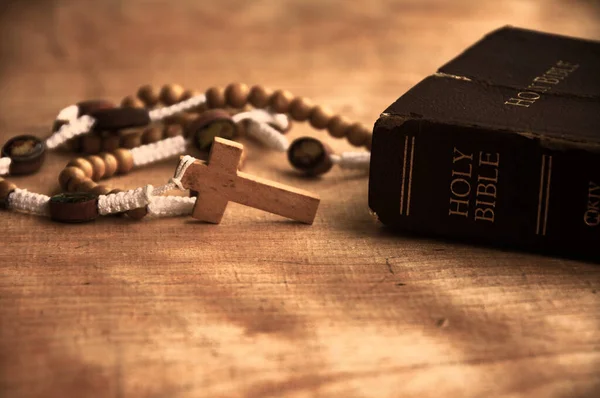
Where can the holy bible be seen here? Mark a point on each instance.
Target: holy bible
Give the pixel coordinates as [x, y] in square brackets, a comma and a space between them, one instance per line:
[501, 145]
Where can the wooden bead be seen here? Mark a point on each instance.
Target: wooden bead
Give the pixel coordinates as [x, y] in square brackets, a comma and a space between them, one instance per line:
[85, 185]
[259, 96]
[172, 130]
[338, 126]
[131, 140]
[111, 164]
[301, 108]
[171, 94]
[149, 95]
[281, 100]
[358, 134]
[90, 106]
[151, 134]
[110, 142]
[98, 165]
[124, 160]
[136, 214]
[132, 102]
[27, 153]
[68, 175]
[211, 124]
[310, 156]
[91, 143]
[6, 188]
[320, 117]
[73, 207]
[119, 119]
[215, 97]
[100, 190]
[84, 165]
[236, 95]
[73, 145]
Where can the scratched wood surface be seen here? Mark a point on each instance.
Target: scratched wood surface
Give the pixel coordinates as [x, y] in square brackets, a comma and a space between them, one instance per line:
[259, 306]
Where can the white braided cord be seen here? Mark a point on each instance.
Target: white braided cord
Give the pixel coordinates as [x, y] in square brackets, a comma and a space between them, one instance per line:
[161, 113]
[4, 165]
[159, 150]
[279, 120]
[29, 202]
[268, 135]
[68, 114]
[352, 160]
[81, 125]
[123, 201]
[171, 206]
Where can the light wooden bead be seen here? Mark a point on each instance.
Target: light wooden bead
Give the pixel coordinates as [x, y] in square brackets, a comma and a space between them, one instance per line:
[280, 101]
[83, 164]
[358, 134]
[131, 140]
[151, 134]
[215, 97]
[259, 96]
[91, 143]
[110, 161]
[132, 102]
[301, 108]
[6, 188]
[69, 174]
[171, 94]
[100, 190]
[149, 95]
[338, 126]
[124, 160]
[99, 167]
[236, 95]
[320, 117]
[85, 185]
[111, 142]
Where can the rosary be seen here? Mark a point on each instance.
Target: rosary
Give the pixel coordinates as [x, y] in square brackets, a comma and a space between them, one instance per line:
[173, 119]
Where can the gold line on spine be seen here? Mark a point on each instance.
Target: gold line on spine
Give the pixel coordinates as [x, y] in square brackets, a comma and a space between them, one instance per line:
[410, 171]
[539, 215]
[548, 193]
[403, 176]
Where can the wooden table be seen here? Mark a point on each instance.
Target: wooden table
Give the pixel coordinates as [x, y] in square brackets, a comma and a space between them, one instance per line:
[259, 306]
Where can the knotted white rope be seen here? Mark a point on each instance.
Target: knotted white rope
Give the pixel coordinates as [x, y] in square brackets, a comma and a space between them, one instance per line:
[352, 160]
[161, 113]
[79, 126]
[182, 167]
[29, 202]
[4, 165]
[268, 135]
[280, 120]
[159, 150]
[171, 206]
[68, 114]
[124, 201]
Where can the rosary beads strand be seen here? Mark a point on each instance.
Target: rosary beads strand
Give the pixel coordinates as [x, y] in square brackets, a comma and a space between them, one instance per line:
[183, 108]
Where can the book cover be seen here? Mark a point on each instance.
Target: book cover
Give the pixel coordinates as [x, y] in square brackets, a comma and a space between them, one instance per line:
[502, 145]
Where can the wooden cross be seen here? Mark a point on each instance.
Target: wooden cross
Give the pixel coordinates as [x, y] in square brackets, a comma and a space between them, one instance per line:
[218, 182]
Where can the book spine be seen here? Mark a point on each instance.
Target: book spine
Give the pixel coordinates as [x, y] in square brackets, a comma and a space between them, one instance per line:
[487, 185]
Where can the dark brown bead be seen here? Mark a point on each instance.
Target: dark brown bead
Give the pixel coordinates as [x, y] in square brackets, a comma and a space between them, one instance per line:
[132, 102]
[6, 188]
[215, 97]
[310, 156]
[91, 143]
[281, 100]
[88, 107]
[131, 140]
[74, 207]
[119, 118]
[73, 145]
[320, 117]
[149, 95]
[137, 214]
[110, 142]
[27, 153]
[236, 95]
[259, 96]
[84, 165]
[211, 124]
[301, 108]
[358, 134]
[151, 134]
[171, 94]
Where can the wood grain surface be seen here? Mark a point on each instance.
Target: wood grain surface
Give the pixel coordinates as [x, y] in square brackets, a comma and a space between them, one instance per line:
[260, 306]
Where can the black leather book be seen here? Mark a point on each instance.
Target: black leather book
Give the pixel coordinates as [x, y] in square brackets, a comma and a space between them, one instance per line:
[502, 145]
